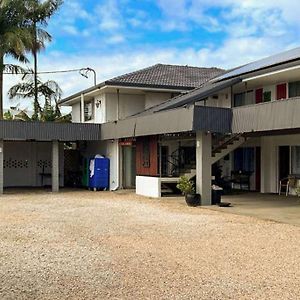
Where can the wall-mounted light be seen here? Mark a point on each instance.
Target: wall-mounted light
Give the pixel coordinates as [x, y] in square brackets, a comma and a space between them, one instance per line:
[98, 103]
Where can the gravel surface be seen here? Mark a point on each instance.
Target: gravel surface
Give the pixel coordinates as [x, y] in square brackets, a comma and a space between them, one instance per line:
[86, 245]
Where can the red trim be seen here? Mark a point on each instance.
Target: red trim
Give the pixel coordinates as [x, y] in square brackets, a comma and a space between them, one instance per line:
[281, 91]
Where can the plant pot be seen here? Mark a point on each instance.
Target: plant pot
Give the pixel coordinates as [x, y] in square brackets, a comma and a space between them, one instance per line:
[193, 199]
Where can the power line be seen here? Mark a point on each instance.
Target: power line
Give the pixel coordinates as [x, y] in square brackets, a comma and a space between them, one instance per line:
[83, 72]
[46, 72]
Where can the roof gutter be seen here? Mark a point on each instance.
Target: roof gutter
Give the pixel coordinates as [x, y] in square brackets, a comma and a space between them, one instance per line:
[271, 73]
[275, 66]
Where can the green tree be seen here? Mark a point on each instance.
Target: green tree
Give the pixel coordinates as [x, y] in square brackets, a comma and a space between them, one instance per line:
[37, 16]
[15, 39]
[48, 91]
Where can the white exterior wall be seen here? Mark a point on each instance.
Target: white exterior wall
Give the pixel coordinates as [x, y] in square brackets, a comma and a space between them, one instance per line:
[148, 186]
[223, 100]
[131, 104]
[24, 160]
[76, 113]
[113, 153]
[270, 159]
[111, 107]
[100, 111]
[152, 99]
[128, 105]
[272, 89]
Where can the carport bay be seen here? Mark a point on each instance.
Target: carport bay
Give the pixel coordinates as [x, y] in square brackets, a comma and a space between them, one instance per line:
[31, 153]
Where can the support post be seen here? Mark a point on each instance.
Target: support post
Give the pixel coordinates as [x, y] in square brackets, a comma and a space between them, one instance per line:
[82, 108]
[1, 166]
[55, 166]
[203, 166]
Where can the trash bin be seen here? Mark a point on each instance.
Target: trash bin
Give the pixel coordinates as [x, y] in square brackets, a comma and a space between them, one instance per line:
[216, 194]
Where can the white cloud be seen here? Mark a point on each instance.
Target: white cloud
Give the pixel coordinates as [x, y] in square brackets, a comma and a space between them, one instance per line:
[109, 15]
[115, 39]
[252, 29]
[72, 30]
[232, 16]
[230, 54]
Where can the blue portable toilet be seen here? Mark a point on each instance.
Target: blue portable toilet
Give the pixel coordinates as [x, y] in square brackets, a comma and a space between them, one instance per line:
[99, 173]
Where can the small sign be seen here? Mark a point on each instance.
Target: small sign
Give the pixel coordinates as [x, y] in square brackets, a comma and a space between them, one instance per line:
[126, 142]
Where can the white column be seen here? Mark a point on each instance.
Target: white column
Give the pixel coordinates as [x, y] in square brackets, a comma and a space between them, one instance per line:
[82, 108]
[1, 166]
[269, 165]
[203, 166]
[55, 166]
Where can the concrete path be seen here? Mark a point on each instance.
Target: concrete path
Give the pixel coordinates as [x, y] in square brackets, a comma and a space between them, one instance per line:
[269, 207]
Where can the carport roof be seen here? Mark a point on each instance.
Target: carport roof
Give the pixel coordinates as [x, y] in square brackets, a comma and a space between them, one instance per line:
[49, 131]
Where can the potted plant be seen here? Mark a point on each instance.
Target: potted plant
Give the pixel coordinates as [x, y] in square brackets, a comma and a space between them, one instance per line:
[298, 191]
[188, 190]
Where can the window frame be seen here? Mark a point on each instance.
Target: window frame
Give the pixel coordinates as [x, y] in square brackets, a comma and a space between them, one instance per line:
[88, 116]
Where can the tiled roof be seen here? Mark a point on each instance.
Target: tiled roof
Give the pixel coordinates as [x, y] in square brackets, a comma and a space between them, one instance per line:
[161, 75]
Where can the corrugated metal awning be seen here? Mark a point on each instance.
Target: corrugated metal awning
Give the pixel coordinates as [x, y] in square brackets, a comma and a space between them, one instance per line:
[49, 131]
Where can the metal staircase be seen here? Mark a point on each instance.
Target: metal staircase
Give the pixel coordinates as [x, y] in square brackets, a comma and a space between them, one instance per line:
[222, 146]
[226, 146]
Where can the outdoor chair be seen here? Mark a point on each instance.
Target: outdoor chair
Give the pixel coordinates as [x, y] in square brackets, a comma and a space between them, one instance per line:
[287, 183]
[241, 178]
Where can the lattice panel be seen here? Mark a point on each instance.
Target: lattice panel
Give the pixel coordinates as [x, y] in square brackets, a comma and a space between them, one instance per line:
[44, 163]
[15, 164]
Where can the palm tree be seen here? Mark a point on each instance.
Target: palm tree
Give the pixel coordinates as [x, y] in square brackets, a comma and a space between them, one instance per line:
[49, 91]
[37, 15]
[15, 38]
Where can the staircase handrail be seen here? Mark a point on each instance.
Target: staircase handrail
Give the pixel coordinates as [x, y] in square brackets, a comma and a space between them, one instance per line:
[227, 142]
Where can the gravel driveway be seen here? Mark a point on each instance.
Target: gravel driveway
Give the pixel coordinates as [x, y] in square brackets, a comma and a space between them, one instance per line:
[86, 245]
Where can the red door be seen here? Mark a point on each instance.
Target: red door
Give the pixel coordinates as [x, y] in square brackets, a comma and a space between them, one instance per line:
[258, 95]
[281, 91]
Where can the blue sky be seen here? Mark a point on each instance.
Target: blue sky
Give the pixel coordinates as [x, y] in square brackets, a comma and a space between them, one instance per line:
[118, 36]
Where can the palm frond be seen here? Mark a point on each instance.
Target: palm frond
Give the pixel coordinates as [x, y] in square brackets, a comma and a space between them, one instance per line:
[15, 69]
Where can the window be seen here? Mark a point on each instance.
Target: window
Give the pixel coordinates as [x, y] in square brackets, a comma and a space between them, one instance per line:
[295, 159]
[294, 89]
[245, 98]
[239, 99]
[88, 111]
[267, 96]
[249, 98]
[244, 159]
[146, 153]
